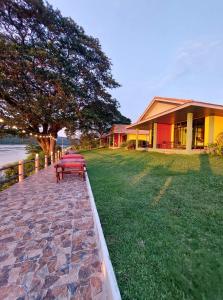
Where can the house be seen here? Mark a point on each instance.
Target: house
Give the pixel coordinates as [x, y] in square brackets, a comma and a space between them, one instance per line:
[120, 134]
[180, 124]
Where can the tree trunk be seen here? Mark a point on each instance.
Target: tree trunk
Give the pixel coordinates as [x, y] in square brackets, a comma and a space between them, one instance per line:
[48, 145]
[44, 144]
[52, 146]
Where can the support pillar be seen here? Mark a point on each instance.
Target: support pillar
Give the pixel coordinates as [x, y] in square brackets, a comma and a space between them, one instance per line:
[137, 139]
[119, 140]
[211, 130]
[189, 132]
[113, 142]
[150, 136]
[109, 141]
[172, 136]
[154, 135]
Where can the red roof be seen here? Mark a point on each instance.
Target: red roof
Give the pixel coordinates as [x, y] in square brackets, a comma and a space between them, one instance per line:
[168, 99]
[122, 128]
[176, 101]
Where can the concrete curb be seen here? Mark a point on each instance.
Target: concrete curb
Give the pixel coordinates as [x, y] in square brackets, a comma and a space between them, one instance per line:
[111, 285]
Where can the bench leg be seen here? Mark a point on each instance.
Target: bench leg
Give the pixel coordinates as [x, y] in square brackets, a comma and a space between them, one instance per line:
[58, 176]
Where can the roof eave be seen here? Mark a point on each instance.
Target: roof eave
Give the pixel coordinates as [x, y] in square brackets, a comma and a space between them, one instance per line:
[198, 104]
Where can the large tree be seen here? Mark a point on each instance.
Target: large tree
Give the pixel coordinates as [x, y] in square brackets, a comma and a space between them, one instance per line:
[50, 70]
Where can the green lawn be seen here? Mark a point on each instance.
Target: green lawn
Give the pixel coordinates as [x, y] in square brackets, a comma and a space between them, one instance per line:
[162, 217]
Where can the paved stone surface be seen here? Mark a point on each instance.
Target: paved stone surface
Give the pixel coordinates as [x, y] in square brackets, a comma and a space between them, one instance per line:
[48, 243]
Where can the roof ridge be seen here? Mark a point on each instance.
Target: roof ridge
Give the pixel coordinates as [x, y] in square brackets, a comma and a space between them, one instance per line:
[184, 100]
[173, 99]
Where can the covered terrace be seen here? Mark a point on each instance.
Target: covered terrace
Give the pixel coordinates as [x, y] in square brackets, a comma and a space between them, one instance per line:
[120, 134]
[185, 128]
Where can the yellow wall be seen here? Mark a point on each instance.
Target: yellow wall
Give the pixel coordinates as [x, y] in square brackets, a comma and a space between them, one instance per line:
[141, 137]
[218, 128]
[213, 126]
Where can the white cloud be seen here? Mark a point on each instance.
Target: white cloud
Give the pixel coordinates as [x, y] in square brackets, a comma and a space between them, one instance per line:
[190, 58]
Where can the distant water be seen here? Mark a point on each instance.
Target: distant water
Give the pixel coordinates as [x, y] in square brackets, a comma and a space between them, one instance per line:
[11, 153]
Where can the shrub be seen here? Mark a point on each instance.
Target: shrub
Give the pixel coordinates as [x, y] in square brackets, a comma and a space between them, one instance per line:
[219, 142]
[212, 148]
[217, 148]
[124, 145]
[33, 148]
[131, 144]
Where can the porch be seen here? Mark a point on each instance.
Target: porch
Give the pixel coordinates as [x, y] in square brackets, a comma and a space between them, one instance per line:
[175, 151]
[186, 130]
[115, 140]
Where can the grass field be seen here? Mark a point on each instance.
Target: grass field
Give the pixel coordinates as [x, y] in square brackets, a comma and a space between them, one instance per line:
[162, 216]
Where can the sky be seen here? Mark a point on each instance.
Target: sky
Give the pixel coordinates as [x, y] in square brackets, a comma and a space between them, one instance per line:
[171, 48]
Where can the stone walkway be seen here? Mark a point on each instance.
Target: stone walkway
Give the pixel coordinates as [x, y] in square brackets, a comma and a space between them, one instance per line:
[48, 241]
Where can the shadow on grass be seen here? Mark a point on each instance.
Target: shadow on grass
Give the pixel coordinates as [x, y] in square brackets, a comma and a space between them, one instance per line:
[205, 166]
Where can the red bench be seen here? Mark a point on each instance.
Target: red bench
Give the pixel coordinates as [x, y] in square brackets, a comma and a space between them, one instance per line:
[70, 168]
[72, 160]
[73, 156]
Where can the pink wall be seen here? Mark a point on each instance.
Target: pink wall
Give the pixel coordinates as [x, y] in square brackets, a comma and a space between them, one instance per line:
[164, 135]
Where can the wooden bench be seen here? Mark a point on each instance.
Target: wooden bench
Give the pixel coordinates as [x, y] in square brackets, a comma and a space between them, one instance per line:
[70, 168]
[73, 156]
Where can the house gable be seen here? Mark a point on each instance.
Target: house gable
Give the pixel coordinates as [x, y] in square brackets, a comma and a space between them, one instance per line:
[159, 105]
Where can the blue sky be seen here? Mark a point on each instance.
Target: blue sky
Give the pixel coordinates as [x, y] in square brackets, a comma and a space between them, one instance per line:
[171, 48]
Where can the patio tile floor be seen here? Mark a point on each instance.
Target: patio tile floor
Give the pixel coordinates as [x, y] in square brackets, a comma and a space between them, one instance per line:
[48, 241]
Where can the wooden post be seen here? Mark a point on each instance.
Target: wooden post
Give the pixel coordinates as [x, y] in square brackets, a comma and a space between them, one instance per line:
[21, 170]
[52, 157]
[37, 163]
[46, 161]
[113, 140]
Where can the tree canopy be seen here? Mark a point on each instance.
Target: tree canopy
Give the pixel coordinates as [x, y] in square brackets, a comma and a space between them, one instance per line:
[98, 118]
[53, 75]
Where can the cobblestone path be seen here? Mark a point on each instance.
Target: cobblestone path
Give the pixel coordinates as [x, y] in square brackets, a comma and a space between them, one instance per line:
[48, 241]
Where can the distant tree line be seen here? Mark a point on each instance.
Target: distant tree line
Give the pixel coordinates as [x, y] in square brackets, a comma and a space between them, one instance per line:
[14, 139]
